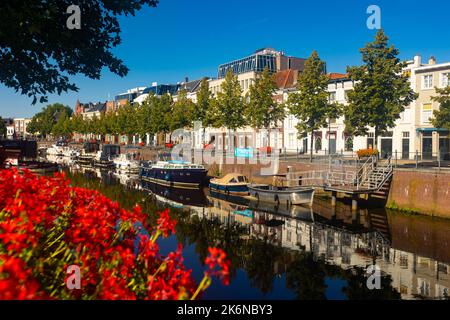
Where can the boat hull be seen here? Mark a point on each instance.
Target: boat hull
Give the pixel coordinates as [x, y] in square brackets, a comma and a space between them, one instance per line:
[178, 178]
[229, 189]
[295, 196]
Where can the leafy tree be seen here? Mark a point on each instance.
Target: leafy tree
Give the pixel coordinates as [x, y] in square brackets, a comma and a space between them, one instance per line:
[230, 104]
[310, 104]
[441, 117]
[44, 121]
[203, 106]
[38, 50]
[381, 90]
[182, 112]
[127, 120]
[63, 126]
[160, 113]
[261, 110]
[2, 128]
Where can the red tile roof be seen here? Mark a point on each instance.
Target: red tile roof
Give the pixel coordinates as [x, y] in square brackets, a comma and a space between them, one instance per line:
[286, 78]
[335, 75]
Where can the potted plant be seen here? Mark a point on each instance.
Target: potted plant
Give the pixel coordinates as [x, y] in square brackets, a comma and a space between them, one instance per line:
[366, 153]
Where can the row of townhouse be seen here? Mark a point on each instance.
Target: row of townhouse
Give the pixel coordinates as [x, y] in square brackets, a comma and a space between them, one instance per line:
[413, 132]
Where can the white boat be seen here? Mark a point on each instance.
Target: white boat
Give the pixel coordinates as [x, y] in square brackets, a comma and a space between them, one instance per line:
[62, 151]
[287, 195]
[125, 162]
[55, 150]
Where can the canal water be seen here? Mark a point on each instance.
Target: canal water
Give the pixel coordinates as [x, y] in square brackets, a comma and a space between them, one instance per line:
[297, 252]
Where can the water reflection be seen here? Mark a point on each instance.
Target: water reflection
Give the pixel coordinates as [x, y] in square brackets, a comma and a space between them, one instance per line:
[297, 252]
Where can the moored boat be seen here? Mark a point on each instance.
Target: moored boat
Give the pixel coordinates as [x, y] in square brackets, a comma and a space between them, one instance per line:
[230, 184]
[285, 195]
[87, 154]
[174, 174]
[126, 163]
[105, 157]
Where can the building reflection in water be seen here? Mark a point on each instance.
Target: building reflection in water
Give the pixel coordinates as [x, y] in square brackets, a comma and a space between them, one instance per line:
[345, 240]
[413, 250]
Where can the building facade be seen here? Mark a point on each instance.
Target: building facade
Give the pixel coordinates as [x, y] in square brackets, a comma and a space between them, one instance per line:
[20, 127]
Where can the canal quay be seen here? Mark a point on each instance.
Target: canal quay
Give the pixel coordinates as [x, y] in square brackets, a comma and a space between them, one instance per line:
[292, 252]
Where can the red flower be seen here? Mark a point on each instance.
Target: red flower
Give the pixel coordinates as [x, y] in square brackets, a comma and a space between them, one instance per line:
[218, 265]
[165, 224]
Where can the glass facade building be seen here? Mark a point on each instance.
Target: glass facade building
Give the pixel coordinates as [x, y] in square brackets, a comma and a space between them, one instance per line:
[256, 62]
[161, 89]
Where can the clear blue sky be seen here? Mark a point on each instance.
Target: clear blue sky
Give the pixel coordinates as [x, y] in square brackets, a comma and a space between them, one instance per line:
[192, 37]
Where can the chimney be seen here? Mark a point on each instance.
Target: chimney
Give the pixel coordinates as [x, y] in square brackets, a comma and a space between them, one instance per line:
[432, 60]
[417, 60]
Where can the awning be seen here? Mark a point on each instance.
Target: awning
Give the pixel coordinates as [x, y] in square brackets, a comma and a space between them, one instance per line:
[431, 130]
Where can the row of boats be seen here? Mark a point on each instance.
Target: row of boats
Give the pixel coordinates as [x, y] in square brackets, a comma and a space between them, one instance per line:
[91, 155]
[188, 175]
[184, 175]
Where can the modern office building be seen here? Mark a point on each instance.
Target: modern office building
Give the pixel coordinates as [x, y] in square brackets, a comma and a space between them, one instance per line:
[261, 59]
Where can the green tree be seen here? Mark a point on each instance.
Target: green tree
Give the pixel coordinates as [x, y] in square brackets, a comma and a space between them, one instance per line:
[160, 112]
[63, 127]
[51, 50]
[441, 117]
[261, 110]
[310, 104]
[381, 90]
[2, 128]
[231, 104]
[44, 121]
[182, 112]
[203, 107]
[127, 120]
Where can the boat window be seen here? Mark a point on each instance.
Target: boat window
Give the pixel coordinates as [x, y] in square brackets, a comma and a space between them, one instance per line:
[233, 180]
[241, 179]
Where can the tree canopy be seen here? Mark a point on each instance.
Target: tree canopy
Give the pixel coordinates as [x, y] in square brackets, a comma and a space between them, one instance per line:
[311, 104]
[44, 121]
[441, 117]
[261, 109]
[2, 128]
[230, 103]
[38, 51]
[381, 89]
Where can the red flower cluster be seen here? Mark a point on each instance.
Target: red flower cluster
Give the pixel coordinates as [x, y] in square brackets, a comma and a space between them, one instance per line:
[218, 265]
[47, 225]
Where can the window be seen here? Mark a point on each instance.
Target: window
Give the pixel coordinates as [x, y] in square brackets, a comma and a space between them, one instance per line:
[427, 112]
[291, 139]
[290, 124]
[405, 134]
[348, 143]
[370, 140]
[445, 79]
[427, 81]
[346, 94]
[332, 96]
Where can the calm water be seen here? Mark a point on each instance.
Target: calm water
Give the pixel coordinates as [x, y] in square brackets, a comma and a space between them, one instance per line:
[294, 253]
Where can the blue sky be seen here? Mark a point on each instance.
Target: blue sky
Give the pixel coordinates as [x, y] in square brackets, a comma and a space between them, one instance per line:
[192, 37]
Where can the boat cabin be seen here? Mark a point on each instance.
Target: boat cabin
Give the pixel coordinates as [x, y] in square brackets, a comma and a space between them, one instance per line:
[232, 178]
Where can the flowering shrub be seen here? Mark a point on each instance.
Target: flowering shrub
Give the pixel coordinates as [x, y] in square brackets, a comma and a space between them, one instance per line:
[366, 153]
[46, 226]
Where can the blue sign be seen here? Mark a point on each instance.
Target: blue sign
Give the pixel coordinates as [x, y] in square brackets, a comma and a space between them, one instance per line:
[246, 213]
[243, 152]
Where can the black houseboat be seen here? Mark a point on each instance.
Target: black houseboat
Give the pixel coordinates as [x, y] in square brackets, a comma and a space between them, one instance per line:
[174, 174]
